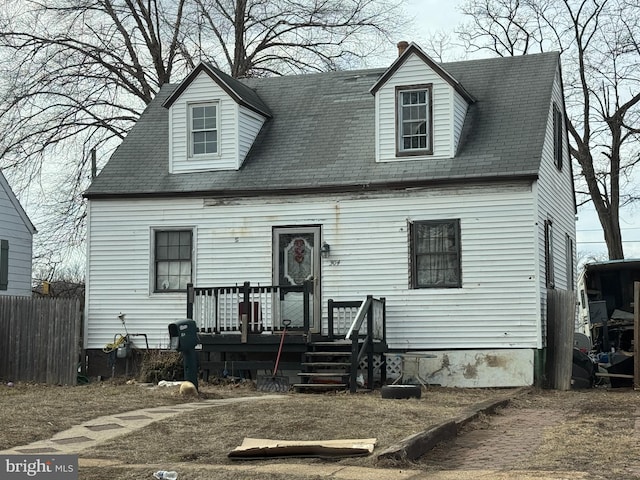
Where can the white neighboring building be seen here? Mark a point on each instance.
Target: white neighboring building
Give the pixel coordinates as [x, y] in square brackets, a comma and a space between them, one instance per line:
[16, 244]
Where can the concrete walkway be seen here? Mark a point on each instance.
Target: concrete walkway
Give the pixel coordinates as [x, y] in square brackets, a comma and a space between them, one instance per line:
[91, 433]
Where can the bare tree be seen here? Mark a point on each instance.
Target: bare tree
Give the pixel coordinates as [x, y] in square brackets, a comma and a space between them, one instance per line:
[599, 43]
[261, 37]
[76, 74]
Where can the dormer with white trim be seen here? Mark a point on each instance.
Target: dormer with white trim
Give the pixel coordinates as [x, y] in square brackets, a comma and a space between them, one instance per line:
[420, 109]
[213, 121]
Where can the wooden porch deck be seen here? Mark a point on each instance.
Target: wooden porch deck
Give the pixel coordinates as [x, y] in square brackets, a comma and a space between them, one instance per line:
[239, 341]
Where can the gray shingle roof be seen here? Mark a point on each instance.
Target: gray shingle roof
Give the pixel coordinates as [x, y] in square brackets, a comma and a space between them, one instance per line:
[321, 136]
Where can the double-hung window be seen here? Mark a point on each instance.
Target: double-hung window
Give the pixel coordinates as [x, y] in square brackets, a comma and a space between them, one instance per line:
[435, 254]
[173, 259]
[203, 129]
[413, 115]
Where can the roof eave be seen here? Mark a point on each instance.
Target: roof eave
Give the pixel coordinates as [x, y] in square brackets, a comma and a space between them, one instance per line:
[301, 190]
[16, 204]
[203, 67]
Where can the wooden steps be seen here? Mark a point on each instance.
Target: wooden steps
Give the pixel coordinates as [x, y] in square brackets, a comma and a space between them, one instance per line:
[328, 354]
[301, 387]
[337, 342]
[327, 366]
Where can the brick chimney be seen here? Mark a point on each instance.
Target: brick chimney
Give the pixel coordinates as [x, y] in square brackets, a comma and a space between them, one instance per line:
[402, 46]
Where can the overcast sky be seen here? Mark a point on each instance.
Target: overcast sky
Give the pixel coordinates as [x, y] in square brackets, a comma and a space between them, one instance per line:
[432, 16]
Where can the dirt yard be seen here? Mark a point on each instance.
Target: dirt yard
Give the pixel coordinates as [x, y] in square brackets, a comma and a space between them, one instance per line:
[601, 421]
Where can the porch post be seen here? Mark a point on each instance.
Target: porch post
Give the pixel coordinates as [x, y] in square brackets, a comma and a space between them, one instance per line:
[354, 361]
[190, 299]
[305, 303]
[245, 313]
[383, 355]
[246, 298]
[330, 318]
[369, 341]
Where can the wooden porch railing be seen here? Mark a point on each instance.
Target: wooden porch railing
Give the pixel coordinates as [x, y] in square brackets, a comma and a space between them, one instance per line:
[247, 308]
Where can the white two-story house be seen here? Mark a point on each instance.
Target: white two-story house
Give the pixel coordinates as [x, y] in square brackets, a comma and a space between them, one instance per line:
[445, 189]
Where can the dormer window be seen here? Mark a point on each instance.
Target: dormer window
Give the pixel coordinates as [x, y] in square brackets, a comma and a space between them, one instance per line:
[413, 113]
[204, 129]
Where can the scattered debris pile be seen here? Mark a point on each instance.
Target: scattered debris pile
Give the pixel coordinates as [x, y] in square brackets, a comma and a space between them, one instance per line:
[606, 319]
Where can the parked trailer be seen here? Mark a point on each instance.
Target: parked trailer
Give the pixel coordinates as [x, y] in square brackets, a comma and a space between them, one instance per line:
[606, 315]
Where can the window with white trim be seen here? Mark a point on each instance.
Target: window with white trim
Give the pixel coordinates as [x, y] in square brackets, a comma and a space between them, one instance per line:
[173, 260]
[435, 254]
[203, 131]
[413, 114]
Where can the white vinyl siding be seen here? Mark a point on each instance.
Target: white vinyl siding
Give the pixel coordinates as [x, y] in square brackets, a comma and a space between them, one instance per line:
[554, 193]
[18, 237]
[414, 71]
[203, 90]
[460, 107]
[249, 126]
[496, 307]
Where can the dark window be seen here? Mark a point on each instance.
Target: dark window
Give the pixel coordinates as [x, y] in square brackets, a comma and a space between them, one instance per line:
[435, 254]
[4, 264]
[413, 113]
[548, 253]
[557, 136]
[173, 260]
[570, 264]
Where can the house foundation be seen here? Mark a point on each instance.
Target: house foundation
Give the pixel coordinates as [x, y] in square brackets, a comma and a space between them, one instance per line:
[469, 368]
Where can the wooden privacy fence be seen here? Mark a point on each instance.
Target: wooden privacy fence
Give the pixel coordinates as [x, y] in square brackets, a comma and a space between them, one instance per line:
[561, 314]
[40, 339]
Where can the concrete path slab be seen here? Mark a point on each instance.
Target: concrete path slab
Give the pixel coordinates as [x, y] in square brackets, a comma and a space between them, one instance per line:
[101, 429]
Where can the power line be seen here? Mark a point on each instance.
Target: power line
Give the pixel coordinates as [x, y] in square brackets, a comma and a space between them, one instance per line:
[602, 242]
[599, 229]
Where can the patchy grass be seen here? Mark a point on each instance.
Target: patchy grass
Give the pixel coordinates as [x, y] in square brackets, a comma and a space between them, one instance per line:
[208, 435]
[597, 436]
[35, 412]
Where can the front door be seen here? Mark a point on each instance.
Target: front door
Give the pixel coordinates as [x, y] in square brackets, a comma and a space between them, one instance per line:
[297, 259]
